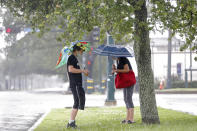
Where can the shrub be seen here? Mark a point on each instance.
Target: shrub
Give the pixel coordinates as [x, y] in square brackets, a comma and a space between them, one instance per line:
[181, 84]
[176, 84]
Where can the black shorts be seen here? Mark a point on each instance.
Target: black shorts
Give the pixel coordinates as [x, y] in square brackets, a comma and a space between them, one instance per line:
[78, 95]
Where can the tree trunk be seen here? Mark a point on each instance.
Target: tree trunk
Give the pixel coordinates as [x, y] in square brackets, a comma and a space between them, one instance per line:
[31, 82]
[142, 50]
[19, 83]
[14, 83]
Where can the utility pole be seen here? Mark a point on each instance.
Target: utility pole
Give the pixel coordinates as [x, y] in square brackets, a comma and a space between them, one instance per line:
[110, 81]
[169, 59]
[190, 62]
[100, 72]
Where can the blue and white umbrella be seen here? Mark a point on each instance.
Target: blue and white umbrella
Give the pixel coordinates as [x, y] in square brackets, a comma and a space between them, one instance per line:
[114, 51]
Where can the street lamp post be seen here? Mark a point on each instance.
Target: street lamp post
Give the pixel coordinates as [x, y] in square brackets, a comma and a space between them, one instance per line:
[169, 59]
[110, 81]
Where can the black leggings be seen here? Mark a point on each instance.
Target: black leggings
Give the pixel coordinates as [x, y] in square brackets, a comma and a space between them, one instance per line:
[128, 93]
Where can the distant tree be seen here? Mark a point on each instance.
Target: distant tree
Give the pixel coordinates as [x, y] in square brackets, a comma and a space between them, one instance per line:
[33, 55]
[13, 26]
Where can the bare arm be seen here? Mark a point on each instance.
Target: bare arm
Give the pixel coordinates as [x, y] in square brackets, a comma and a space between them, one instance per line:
[74, 70]
[71, 69]
[125, 70]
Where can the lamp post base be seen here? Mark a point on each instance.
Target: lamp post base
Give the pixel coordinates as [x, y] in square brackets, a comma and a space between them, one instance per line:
[110, 103]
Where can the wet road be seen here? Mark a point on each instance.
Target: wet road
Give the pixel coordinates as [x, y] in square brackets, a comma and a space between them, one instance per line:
[20, 110]
[180, 102]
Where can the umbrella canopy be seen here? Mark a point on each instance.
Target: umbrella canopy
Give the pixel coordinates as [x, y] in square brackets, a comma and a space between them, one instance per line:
[67, 51]
[114, 51]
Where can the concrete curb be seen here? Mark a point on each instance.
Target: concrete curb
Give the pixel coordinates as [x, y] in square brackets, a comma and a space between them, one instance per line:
[176, 92]
[37, 123]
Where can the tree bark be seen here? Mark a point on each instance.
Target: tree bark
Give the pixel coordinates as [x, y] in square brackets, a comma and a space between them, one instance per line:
[142, 50]
[19, 82]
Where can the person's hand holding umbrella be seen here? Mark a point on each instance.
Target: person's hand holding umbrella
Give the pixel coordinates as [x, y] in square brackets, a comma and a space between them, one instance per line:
[113, 69]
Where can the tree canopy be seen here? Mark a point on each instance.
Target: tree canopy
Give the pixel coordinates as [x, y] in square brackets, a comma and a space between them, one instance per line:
[77, 17]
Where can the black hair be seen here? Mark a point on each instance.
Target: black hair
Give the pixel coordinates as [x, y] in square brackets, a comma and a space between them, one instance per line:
[77, 48]
[122, 58]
